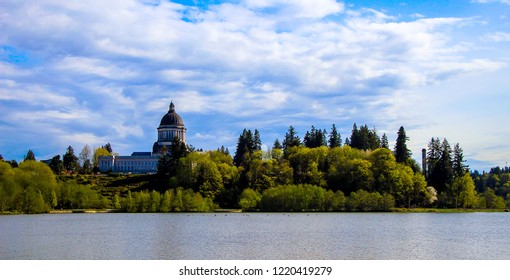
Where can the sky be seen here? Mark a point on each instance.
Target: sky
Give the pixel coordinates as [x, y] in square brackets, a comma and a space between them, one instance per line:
[95, 72]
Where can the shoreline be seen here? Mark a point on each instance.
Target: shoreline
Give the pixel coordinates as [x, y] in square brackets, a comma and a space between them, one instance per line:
[393, 210]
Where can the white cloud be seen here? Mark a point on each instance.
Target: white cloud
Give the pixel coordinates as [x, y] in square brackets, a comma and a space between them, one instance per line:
[299, 8]
[91, 66]
[265, 62]
[507, 2]
[497, 37]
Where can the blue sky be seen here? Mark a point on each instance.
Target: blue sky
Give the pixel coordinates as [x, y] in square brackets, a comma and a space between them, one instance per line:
[92, 72]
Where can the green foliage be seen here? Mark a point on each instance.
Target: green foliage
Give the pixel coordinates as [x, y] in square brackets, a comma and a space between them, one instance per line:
[29, 156]
[247, 144]
[33, 188]
[402, 153]
[335, 140]
[490, 200]
[291, 139]
[168, 161]
[173, 200]
[362, 200]
[249, 199]
[70, 160]
[315, 138]
[99, 152]
[56, 165]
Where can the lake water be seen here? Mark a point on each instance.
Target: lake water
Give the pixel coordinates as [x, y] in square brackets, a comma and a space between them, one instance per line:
[337, 236]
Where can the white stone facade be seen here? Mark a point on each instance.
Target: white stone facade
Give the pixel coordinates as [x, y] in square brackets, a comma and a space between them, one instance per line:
[129, 164]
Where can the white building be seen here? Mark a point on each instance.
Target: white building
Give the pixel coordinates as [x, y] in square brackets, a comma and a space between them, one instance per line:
[171, 126]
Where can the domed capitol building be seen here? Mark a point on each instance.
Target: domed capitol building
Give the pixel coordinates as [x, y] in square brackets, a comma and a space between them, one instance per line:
[171, 126]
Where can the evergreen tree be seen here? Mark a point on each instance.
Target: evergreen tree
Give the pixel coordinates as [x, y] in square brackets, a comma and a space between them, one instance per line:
[459, 168]
[446, 163]
[70, 160]
[373, 140]
[277, 145]
[291, 139]
[355, 140]
[402, 153]
[242, 147]
[335, 139]
[108, 147]
[384, 141]
[439, 164]
[257, 143]
[315, 138]
[56, 165]
[170, 156]
[247, 143]
[364, 138]
[30, 156]
[347, 141]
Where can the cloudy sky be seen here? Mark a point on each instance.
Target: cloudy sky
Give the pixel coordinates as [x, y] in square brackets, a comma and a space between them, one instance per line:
[92, 72]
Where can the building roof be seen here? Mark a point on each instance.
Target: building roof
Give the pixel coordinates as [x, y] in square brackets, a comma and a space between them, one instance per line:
[139, 154]
[172, 118]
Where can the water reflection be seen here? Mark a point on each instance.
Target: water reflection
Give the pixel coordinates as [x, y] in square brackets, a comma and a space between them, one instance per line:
[256, 236]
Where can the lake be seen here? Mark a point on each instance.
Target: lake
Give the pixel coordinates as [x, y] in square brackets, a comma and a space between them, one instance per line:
[256, 236]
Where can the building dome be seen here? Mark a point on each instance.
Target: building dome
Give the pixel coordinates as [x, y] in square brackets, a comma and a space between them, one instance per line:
[171, 118]
[171, 127]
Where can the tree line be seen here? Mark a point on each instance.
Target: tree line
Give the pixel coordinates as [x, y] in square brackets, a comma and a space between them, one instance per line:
[316, 173]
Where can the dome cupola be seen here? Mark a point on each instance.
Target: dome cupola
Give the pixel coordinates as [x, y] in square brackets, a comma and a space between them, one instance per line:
[171, 118]
[171, 126]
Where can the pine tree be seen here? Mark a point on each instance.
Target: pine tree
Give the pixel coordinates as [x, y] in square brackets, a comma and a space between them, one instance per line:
[402, 153]
[355, 141]
[315, 138]
[247, 143]
[373, 139]
[459, 168]
[108, 147]
[70, 160]
[384, 141]
[291, 139]
[277, 145]
[439, 164]
[257, 143]
[30, 155]
[335, 139]
[56, 165]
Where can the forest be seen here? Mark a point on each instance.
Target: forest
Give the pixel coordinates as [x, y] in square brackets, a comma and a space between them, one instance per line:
[315, 173]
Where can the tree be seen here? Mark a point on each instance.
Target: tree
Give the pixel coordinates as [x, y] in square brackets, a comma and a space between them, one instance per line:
[249, 199]
[70, 160]
[384, 141]
[465, 194]
[291, 139]
[168, 161]
[315, 138]
[84, 159]
[439, 164]
[277, 145]
[108, 147]
[402, 153]
[335, 140]
[247, 143]
[257, 143]
[30, 156]
[56, 164]
[459, 168]
[99, 152]
[355, 140]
